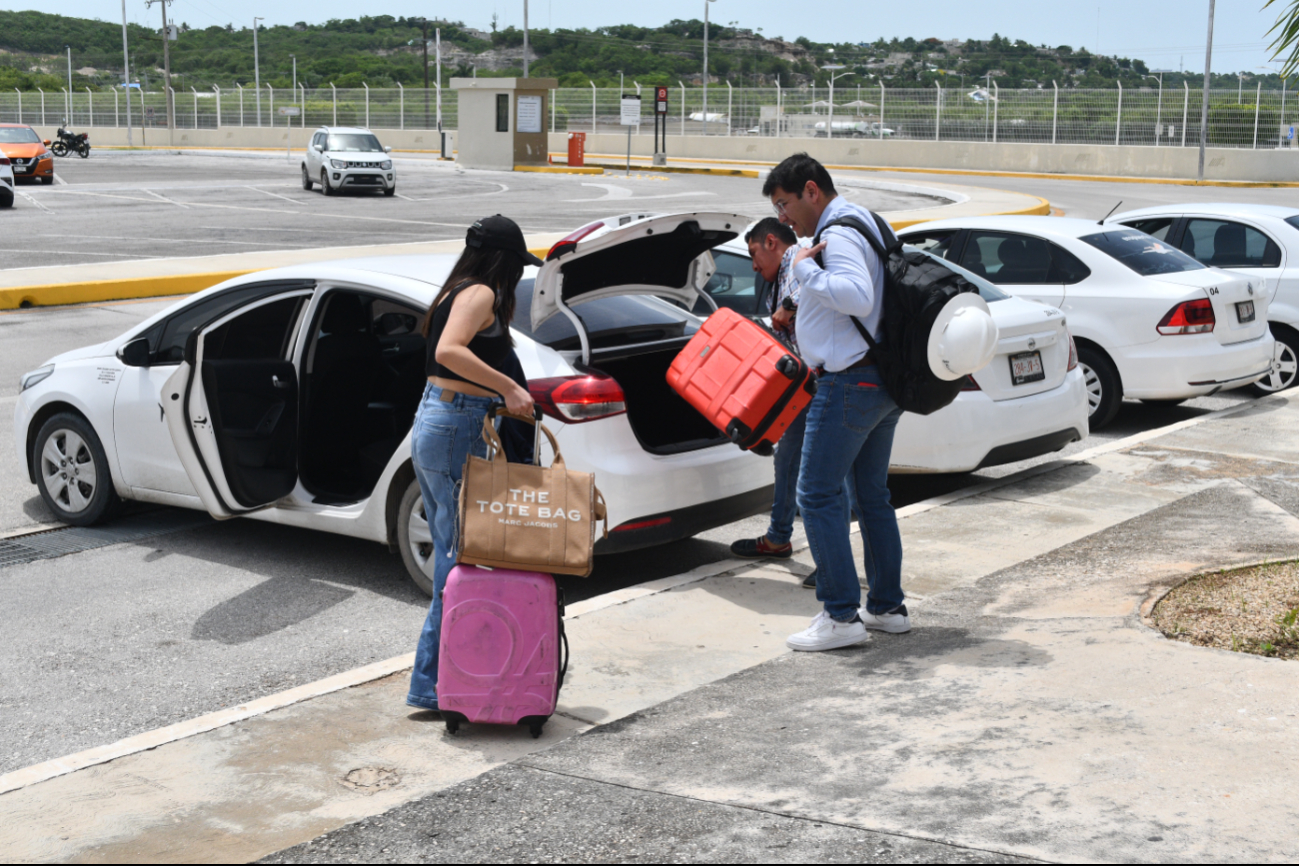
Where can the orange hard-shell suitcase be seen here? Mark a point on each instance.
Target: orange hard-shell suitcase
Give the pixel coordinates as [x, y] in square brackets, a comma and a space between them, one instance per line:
[744, 380]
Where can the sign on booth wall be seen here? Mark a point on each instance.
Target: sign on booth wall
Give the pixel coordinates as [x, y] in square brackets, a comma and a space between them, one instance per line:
[529, 114]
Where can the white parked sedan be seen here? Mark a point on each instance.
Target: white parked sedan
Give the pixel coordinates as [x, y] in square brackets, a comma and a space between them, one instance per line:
[288, 395]
[1029, 401]
[1257, 241]
[1150, 321]
[6, 182]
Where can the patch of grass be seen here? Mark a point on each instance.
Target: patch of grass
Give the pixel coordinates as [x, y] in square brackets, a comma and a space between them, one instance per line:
[1251, 610]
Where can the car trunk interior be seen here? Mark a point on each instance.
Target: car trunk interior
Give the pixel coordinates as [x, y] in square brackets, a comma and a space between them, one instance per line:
[662, 421]
[363, 382]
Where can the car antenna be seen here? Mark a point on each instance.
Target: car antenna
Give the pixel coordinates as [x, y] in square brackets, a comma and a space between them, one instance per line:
[1101, 221]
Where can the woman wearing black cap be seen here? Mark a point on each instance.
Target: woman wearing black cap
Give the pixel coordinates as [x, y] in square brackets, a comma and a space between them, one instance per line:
[469, 344]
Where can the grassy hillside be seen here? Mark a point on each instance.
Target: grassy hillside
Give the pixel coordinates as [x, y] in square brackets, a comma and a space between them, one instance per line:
[383, 50]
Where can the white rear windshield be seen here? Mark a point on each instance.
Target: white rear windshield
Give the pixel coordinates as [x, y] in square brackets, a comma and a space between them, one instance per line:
[1142, 253]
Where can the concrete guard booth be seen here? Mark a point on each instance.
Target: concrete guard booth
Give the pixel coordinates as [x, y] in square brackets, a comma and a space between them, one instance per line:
[502, 121]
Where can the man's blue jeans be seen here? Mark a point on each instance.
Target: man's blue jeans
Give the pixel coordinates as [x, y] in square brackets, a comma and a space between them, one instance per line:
[850, 427]
[443, 435]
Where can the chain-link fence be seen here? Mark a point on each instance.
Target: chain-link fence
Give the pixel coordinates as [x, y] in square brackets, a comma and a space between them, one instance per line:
[1146, 116]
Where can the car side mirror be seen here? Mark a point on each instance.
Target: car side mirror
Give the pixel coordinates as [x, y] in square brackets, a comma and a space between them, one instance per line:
[135, 353]
[47, 142]
[318, 148]
[388, 149]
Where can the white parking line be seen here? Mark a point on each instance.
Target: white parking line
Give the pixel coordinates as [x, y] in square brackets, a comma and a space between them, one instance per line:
[276, 194]
[34, 201]
[58, 179]
[167, 200]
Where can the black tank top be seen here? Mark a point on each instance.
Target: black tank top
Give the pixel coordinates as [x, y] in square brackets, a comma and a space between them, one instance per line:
[492, 345]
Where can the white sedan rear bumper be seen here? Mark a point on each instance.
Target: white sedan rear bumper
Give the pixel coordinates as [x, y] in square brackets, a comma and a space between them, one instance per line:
[978, 431]
[1173, 368]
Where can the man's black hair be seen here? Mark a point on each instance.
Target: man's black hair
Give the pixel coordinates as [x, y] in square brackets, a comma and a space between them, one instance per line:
[793, 174]
[771, 226]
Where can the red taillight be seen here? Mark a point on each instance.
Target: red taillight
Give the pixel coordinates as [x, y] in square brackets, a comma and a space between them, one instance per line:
[4, 160]
[568, 244]
[574, 399]
[1188, 317]
[1073, 354]
[643, 524]
[970, 384]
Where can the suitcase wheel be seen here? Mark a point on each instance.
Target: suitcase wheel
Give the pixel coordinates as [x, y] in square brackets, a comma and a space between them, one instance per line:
[453, 726]
[764, 449]
[788, 366]
[535, 730]
[810, 385]
[737, 431]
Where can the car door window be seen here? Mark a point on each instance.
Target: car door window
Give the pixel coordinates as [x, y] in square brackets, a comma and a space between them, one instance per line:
[1228, 244]
[937, 242]
[1008, 259]
[167, 340]
[734, 284]
[1154, 226]
[1066, 268]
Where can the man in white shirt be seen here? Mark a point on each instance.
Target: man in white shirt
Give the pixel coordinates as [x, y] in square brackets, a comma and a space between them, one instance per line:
[851, 421]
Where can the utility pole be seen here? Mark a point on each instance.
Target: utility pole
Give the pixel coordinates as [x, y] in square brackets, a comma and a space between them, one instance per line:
[126, 77]
[166, 68]
[525, 41]
[437, 47]
[257, 72]
[706, 2]
[1204, 107]
[69, 99]
[424, 30]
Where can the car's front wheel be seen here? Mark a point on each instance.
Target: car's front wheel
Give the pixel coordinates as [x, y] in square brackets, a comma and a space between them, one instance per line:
[1285, 362]
[47, 180]
[415, 539]
[324, 183]
[72, 471]
[1104, 387]
[306, 178]
[391, 191]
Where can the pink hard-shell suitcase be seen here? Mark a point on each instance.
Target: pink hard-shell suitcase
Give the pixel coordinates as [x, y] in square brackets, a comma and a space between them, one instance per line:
[499, 656]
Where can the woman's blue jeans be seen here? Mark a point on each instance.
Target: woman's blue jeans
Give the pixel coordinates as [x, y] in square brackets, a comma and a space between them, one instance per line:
[850, 427]
[443, 436]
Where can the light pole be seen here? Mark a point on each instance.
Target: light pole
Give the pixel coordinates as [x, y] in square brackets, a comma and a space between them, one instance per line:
[126, 77]
[1204, 103]
[257, 72]
[706, 2]
[525, 41]
[1159, 105]
[68, 99]
[168, 94]
[829, 123]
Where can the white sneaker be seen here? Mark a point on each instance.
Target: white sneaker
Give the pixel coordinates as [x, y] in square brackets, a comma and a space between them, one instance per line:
[826, 634]
[896, 622]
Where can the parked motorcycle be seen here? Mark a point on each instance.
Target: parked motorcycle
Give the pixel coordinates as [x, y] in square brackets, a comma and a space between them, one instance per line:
[71, 142]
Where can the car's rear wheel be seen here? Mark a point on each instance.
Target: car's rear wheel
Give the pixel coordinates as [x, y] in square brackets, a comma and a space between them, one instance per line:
[324, 183]
[1285, 363]
[72, 471]
[415, 539]
[1104, 388]
[306, 178]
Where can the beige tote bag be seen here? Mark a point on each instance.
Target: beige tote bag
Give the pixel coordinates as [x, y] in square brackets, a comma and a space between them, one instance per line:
[530, 518]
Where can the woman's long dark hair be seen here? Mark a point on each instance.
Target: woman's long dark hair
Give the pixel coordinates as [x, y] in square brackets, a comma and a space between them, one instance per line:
[499, 270]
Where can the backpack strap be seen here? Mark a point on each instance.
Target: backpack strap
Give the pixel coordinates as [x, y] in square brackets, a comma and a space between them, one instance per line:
[883, 249]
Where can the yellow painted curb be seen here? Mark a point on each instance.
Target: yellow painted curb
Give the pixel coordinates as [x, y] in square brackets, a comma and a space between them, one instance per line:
[1042, 208]
[682, 169]
[59, 294]
[560, 169]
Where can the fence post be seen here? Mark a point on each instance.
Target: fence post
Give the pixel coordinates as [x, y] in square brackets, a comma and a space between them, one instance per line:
[780, 94]
[67, 105]
[730, 101]
[20, 104]
[1118, 120]
[193, 88]
[270, 112]
[1186, 104]
[334, 91]
[553, 94]
[881, 110]
[1280, 136]
[1055, 110]
[683, 107]
[593, 108]
[996, 104]
[218, 103]
[241, 103]
[367, 104]
[302, 122]
[90, 110]
[938, 109]
[116, 121]
[401, 106]
[1258, 98]
[43, 123]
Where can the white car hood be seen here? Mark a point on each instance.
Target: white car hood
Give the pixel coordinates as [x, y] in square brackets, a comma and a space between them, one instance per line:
[666, 256]
[98, 350]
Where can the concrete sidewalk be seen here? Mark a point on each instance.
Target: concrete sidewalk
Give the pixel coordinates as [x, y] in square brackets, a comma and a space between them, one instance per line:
[1032, 713]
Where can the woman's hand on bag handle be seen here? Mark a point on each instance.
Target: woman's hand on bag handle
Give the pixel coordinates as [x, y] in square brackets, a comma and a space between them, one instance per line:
[518, 401]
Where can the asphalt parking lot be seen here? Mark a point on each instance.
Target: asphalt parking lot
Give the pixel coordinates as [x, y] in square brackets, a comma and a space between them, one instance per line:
[128, 637]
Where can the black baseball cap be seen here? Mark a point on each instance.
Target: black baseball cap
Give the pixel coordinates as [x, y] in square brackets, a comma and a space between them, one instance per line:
[500, 233]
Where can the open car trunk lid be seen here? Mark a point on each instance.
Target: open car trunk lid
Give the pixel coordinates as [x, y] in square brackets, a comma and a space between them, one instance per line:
[1239, 303]
[667, 256]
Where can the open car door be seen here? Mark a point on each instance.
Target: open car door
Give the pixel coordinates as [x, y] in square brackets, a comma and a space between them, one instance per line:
[232, 406]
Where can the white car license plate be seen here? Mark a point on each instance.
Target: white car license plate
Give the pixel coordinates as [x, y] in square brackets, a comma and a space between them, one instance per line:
[1026, 367]
[1245, 312]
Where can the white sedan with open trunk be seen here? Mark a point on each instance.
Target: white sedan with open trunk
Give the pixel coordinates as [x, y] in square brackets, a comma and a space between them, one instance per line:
[1150, 321]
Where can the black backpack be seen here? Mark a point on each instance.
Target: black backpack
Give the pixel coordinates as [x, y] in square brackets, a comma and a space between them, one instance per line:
[916, 287]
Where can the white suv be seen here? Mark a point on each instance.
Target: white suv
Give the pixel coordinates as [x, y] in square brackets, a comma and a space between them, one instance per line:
[6, 182]
[341, 157]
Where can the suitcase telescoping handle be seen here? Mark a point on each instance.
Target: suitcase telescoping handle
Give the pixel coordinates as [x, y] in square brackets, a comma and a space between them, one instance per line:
[498, 408]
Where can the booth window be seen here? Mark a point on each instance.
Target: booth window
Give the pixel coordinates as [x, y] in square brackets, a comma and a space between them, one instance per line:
[502, 112]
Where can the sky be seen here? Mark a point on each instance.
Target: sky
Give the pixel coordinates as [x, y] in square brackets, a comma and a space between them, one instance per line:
[1166, 35]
